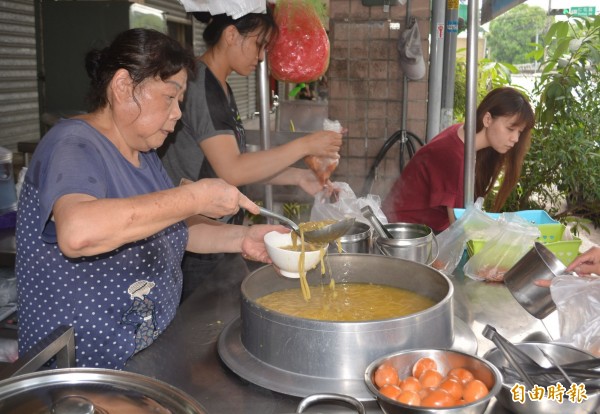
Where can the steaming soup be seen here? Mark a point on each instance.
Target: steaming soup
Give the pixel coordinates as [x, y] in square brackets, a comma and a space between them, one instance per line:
[348, 302]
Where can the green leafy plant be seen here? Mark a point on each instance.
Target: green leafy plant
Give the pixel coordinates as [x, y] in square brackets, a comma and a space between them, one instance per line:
[562, 169]
[296, 212]
[490, 75]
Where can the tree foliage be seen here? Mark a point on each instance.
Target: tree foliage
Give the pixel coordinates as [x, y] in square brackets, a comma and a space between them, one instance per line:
[490, 75]
[512, 35]
[562, 169]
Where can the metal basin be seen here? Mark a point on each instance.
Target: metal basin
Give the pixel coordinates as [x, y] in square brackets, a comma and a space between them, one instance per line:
[343, 349]
[560, 353]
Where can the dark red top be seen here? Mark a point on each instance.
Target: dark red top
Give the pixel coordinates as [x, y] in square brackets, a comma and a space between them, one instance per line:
[431, 182]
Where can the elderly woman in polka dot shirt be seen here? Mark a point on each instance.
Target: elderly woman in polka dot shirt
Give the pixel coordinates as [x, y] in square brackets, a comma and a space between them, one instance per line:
[100, 230]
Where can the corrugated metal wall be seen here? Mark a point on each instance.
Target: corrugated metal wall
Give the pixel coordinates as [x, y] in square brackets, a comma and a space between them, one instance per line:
[19, 114]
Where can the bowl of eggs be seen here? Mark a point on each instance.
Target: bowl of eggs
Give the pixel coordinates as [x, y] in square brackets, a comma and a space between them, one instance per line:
[288, 256]
[432, 381]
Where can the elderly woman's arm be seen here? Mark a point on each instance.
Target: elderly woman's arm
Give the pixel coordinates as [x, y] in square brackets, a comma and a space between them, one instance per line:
[88, 226]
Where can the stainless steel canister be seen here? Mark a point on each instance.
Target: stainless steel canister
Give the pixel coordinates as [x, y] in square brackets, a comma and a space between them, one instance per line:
[356, 240]
[411, 241]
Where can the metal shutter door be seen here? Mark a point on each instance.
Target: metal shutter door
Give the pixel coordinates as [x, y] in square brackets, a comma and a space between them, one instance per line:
[19, 113]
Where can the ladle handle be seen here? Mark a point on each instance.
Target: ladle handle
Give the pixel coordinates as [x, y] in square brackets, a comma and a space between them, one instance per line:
[368, 213]
[269, 213]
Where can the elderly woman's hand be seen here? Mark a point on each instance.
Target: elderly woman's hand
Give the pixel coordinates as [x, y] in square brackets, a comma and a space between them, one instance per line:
[216, 198]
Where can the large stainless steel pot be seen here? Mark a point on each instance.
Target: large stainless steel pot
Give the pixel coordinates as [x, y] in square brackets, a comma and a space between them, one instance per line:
[343, 349]
[93, 391]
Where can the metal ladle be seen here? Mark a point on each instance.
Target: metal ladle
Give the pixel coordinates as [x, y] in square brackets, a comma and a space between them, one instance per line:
[325, 234]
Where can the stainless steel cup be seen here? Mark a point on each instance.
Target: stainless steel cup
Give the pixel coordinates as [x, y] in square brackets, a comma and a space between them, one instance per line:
[538, 263]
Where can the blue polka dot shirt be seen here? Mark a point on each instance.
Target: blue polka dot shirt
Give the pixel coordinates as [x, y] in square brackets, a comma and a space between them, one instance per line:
[118, 302]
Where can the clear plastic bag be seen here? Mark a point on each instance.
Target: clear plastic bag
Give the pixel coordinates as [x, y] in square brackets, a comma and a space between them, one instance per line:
[577, 302]
[473, 224]
[323, 167]
[505, 249]
[346, 204]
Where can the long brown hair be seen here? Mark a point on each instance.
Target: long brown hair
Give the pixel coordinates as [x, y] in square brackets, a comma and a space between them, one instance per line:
[489, 163]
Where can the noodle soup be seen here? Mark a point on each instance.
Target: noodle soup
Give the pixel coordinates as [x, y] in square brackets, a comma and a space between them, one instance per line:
[348, 302]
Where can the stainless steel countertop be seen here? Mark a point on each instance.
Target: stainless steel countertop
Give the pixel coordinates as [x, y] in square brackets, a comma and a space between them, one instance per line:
[186, 355]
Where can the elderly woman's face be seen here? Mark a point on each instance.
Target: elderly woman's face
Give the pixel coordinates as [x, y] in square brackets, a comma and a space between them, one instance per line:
[158, 111]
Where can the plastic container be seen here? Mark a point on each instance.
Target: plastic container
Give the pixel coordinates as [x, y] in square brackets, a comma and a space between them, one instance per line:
[551, 237]
[534, 216]
[551, 232]
[8, 192]
[565, 250]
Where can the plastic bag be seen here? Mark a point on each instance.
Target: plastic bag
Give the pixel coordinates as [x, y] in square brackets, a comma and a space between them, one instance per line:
[473, 224]
[577, 302]
[346, 205]
[500, 253]
[323, 167]
[233, 8]
[301, 51]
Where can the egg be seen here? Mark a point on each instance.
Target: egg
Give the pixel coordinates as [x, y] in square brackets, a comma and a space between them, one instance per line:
[438, 398]
[462, 374]
[453, 386]
[391, 391]
[422, 365]
[409, 398]
[386, 374]
[410, 384]
[430, 378]
[474, 390]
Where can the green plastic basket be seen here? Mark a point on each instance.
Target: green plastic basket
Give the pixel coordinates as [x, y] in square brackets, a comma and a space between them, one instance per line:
[551, 233]
[565, 250]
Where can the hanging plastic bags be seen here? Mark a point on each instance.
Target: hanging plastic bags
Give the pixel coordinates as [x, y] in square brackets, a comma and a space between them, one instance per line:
[345, 205]
[301, 51]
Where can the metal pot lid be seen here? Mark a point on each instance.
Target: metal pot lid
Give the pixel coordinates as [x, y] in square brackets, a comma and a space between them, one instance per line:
[92, 391]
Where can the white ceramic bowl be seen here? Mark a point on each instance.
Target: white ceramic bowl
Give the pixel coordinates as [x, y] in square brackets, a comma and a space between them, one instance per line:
[288, 261]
